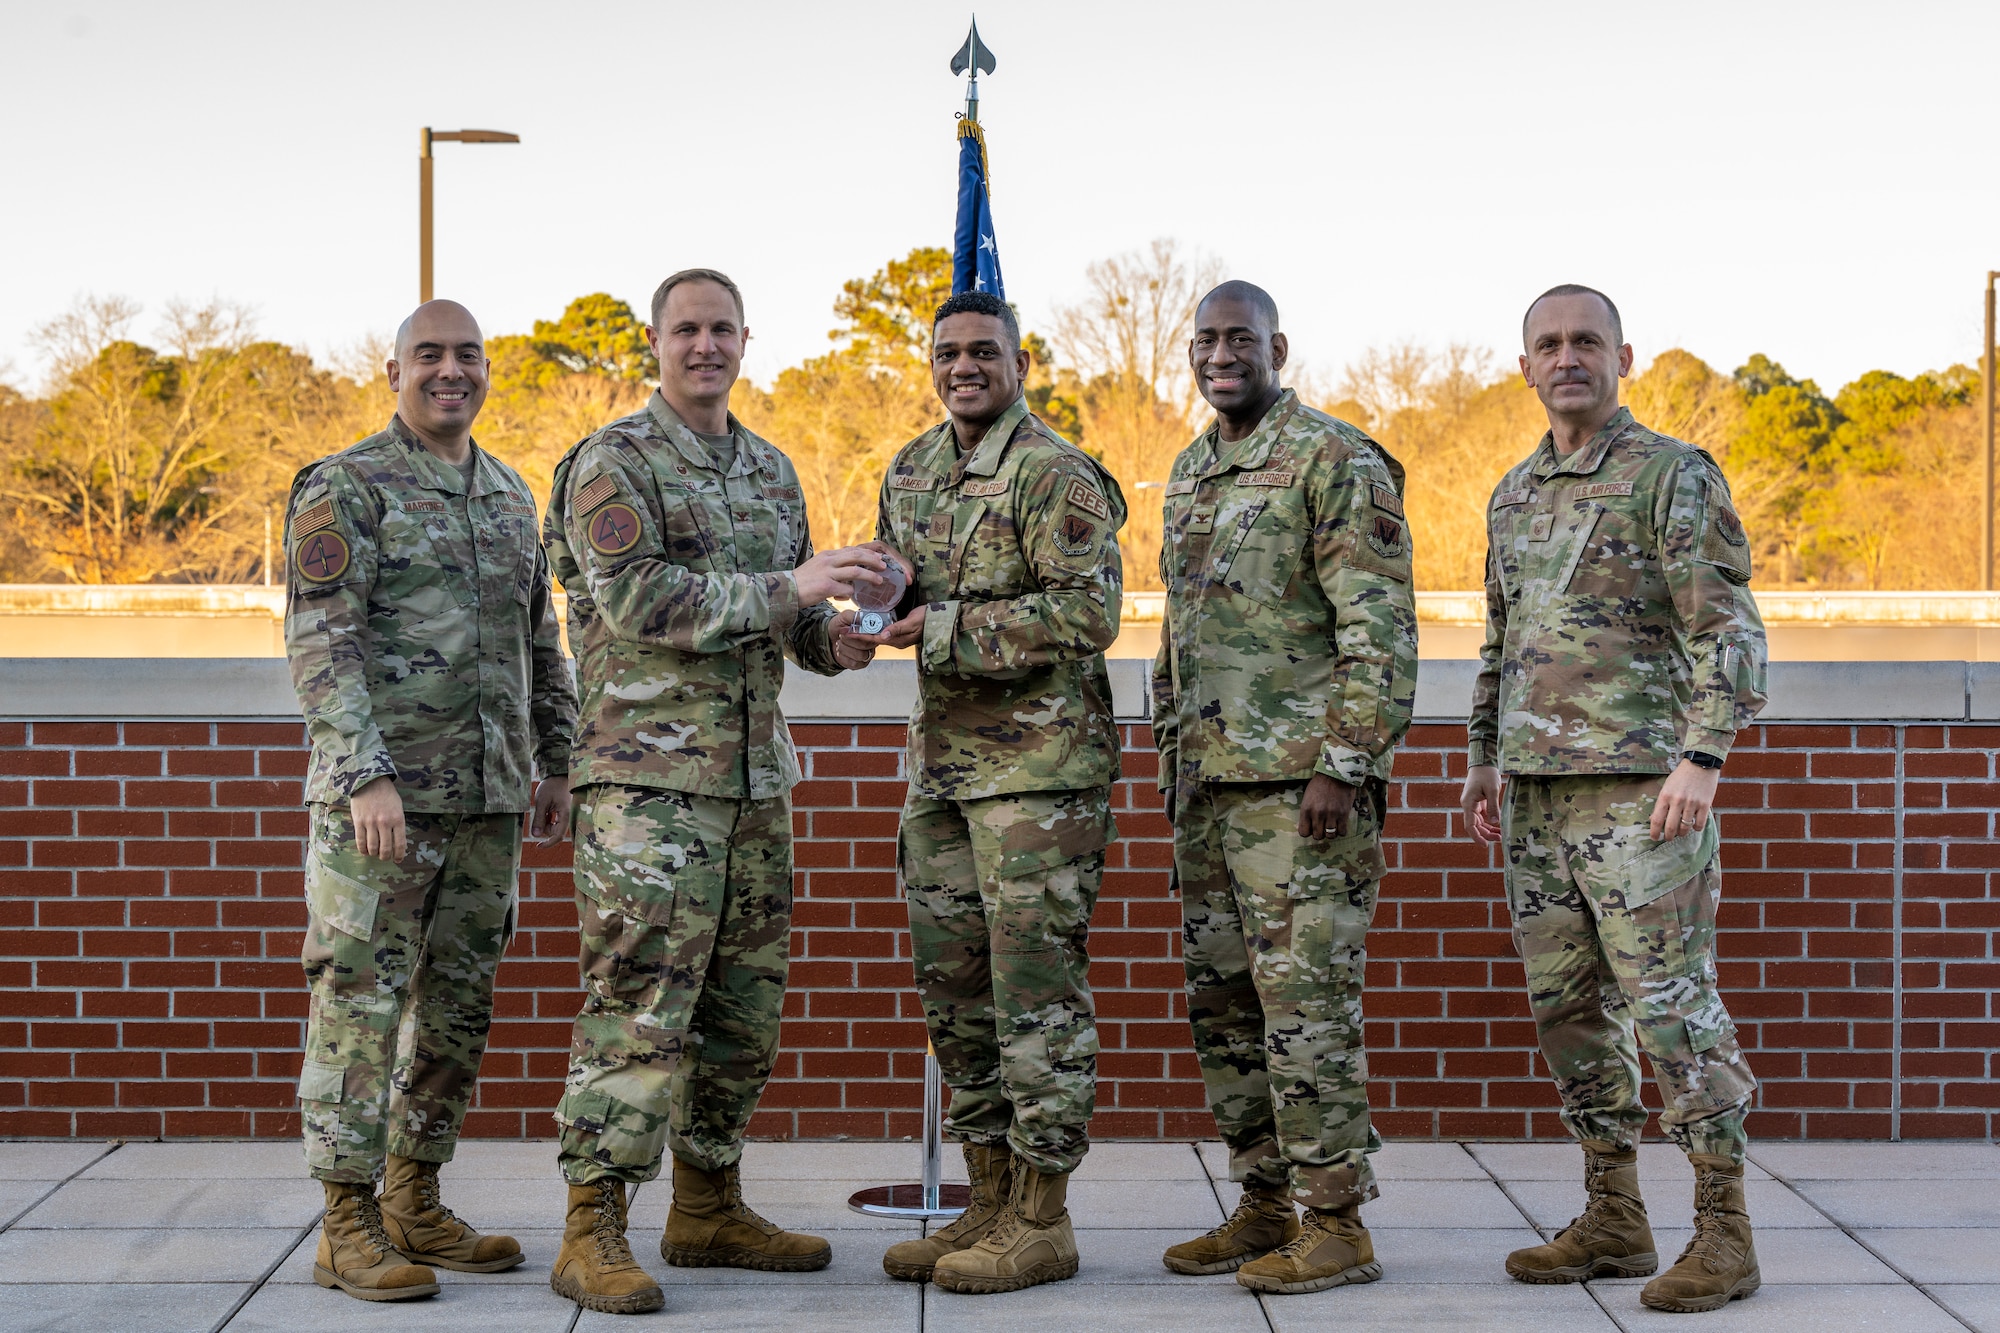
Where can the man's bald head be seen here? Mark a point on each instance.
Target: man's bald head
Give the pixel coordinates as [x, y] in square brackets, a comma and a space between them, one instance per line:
[446, 323]
[1250, 294]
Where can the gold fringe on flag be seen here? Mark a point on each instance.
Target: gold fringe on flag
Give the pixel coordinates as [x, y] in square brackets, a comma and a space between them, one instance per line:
[972, 129]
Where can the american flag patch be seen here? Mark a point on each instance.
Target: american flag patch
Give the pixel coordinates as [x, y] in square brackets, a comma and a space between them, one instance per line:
[600, 489]
[312, 520]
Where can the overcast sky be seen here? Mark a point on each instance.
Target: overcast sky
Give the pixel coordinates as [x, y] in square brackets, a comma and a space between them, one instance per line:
[1814, 181]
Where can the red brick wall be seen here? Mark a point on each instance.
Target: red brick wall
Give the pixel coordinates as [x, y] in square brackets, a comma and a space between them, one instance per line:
[150, 902]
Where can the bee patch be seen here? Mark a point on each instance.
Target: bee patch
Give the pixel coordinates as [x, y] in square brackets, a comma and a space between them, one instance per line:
[1385, 537]
[1075, 535]
[1088, 500]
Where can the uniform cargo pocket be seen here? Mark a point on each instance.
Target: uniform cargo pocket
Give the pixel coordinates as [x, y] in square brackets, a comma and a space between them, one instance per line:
[1709, 1025]
[342, 902]
[1659, 867]
[321, 1083]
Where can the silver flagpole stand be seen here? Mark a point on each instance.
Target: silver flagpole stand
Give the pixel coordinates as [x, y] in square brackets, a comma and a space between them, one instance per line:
[930, 1198]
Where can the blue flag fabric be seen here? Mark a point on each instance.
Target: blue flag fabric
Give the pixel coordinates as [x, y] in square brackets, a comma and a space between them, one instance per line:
[975, 258]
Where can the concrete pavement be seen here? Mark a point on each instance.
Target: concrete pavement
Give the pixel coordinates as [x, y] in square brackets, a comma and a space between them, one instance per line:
[197, 1237]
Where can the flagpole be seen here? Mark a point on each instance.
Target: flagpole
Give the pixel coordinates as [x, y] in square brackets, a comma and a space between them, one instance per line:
[930, 1197]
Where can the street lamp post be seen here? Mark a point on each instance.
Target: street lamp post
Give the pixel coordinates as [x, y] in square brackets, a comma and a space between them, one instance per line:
[430, 137]
[1986, 440]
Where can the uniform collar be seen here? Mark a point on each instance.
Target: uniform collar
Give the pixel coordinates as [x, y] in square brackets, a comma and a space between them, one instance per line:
[751, 452]
[1254, 448]
[438, 475]
[984, 460]
[1587, 459]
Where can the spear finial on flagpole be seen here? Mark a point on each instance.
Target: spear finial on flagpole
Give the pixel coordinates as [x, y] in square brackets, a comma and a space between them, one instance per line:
[973, 57]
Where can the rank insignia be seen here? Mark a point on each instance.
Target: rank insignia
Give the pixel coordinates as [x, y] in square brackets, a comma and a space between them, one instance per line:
[1075, 535]
[323, 557]
[614, 529]
[940, 527]
[1386, 536]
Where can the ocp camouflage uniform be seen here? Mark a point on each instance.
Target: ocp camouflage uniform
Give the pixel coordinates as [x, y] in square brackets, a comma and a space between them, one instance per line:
[682, 610]
[1620, 635]
[424, 648]
[1011, 757]
[1289, 649]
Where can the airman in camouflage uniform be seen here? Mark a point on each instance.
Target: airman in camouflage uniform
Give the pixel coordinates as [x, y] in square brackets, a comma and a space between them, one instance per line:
[1285, 678]
[1012, 535]
[691, 579]
[1623, 652]
[426, 656]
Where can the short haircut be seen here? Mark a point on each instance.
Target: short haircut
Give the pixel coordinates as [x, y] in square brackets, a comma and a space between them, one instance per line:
[1576, 289]
[1238, 290]
[715, 276]
[980, 303]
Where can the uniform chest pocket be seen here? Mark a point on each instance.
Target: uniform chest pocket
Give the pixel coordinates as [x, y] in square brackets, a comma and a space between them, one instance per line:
[1267, 550]
[424, 552]
[694, 520]
[1612, 557]
[1234, 520]
[791, 516]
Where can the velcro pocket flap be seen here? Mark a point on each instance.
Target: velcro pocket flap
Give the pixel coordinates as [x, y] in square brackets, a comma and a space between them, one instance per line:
[321, 1083]
[344, 903]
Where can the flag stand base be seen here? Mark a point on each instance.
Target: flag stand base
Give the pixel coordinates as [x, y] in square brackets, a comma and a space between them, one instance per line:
[929, 1198]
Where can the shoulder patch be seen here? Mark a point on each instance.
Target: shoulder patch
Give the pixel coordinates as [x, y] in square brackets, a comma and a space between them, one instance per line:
[614, 529]
[1268, 477]
[1384, 498]
[599, 489]
[905, 482]
[323, 557]
[1075, 535]
[1506, 499]
[992, 486]
[313, 519]
[1084, 497]
[1385, 537]
[1185, 486]
[1598, 488]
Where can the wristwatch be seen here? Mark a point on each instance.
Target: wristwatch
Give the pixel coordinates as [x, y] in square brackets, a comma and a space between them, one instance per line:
[1701, 759]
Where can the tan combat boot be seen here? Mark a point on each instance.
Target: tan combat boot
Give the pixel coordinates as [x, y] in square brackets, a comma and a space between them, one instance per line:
[1264, 1219]
[427, 1232]
[1609, 1238]
[355, 1254]
[1030, 1243]
[595, 1267]
[1332, 1249]
[1719, 1264]
[991, 1170]
[709, 1226]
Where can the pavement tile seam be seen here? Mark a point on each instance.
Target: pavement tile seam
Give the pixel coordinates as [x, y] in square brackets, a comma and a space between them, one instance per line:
[109, 1148]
